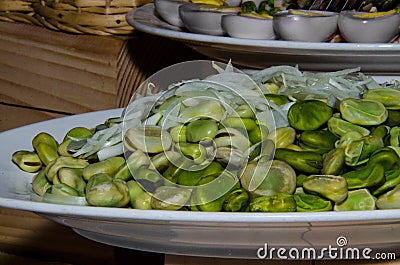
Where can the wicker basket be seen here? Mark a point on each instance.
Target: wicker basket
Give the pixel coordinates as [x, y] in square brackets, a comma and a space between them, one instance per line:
[18, 11]
[99, 17]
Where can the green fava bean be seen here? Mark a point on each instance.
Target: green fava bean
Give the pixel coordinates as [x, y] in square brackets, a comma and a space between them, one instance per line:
[393, 118]
[211, 192]
[395, 136]
[320, 141]
[389, 200]
[109, 166]
[268, 178]
[199, 129]
[309, 115]
[196, 152]
[258, 134]
[27, 161]
[178, 134]
[192, 178]
[39, 183]
[333, 188]
[311, 203]
[357, 200]
[170, 198]
[333, 162]
[236, 201]
[304, 161]
[149, 139]
[171, 174]
[53, 168]
[386, 157]
[72, 177]
[232, 138]
[340, 127]
[300, 179]
[103, 190]
[73, 135]
[381, 131]
[206, 109]
[46, 147]
[283, 137]
[273, 203]
[245, 111]
[387, 96]
[138, 197]
[392, 178]
[62, 189]
[277, 99]
[363, 111]
[369, 176]
[240, 123]
[149, 179]
[161, 161]
[134, 161]
[359, 151]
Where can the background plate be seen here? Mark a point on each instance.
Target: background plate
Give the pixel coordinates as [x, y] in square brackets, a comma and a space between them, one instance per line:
[372, 58]
[237, 235]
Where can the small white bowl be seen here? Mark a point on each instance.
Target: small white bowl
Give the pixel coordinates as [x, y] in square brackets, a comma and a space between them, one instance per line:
[368, 30]
[169, 11]
[205, 19]
[246, 27]
[317, 26]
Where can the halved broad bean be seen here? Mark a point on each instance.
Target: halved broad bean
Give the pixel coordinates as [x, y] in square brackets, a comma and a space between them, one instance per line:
[331, 187]
[46, 147]
[103, 190]
[27, 161]
[274, 203]
[363, 111]
[109, 166]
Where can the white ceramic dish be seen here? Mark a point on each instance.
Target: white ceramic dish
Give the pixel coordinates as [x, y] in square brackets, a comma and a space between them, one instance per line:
[372, 58]
[319, 27]
[169, 11]
[237, 235]
[368, 30]
[205, 19]
[248, 27]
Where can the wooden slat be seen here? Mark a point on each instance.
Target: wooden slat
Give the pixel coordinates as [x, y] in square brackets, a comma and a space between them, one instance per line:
[27, 234]
[55, 71]
[50, 54]
[12, 116]
[79, 46]
[62, 72]
[37, 90]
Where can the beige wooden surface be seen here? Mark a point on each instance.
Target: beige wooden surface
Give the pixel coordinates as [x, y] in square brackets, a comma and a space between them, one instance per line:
[79, 73]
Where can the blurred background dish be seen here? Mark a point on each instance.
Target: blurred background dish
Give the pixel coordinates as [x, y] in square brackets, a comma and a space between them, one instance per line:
[169, 11]
[248, 27]
[308, 26]
[248, 53]
[205, 19]
[360, 27]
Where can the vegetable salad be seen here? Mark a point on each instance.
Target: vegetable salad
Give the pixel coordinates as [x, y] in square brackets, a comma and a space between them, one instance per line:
[274, 140]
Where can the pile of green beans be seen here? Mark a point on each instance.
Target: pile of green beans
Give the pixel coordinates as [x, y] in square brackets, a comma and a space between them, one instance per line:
[344, 158]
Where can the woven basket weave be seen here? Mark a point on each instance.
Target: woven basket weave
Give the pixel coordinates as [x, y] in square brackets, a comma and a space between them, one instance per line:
[99, 17]
[18, 11]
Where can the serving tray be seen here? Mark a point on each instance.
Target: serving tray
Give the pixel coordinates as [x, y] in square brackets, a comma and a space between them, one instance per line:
[373, 58]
